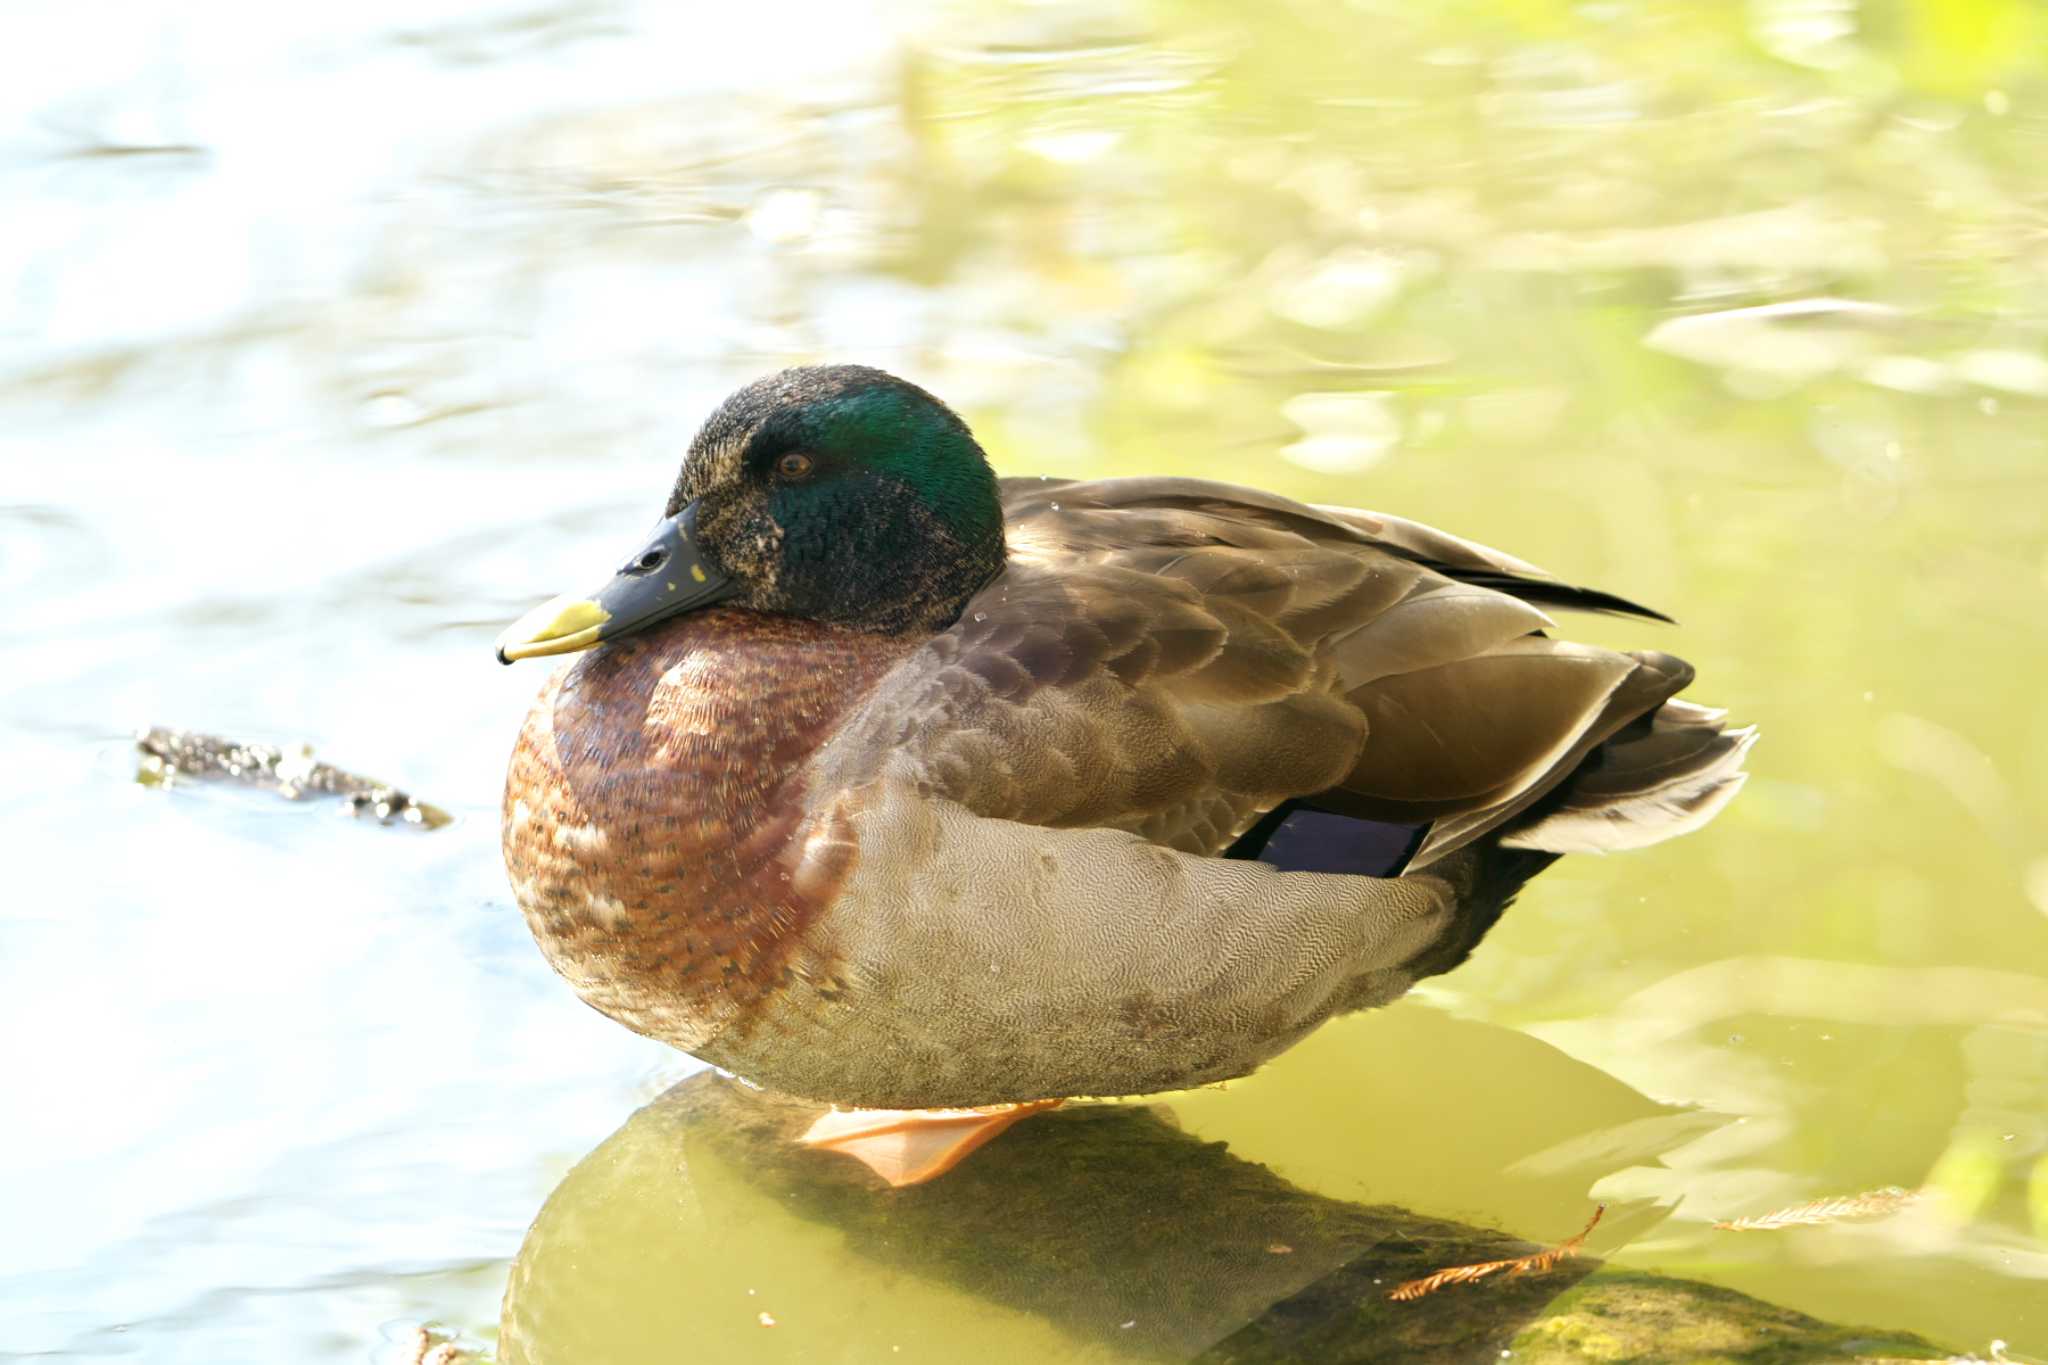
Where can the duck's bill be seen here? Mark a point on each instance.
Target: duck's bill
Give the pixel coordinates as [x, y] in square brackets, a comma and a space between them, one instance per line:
[667, 577]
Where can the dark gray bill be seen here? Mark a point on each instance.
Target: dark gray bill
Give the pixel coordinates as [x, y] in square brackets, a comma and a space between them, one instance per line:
[667, 577]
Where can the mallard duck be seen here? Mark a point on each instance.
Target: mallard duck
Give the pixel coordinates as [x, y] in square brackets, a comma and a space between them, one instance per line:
[888, 783]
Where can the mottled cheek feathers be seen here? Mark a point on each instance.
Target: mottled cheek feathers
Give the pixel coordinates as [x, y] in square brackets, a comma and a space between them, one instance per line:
[843, 494]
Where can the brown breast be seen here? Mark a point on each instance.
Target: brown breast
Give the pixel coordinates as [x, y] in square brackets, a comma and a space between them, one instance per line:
[656, 828]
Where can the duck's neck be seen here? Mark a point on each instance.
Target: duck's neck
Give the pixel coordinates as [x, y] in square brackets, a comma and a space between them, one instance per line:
[657, 829]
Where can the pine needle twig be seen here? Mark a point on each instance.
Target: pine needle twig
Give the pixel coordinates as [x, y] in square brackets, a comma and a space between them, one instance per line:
[1535, 1263]
[1833, 1209]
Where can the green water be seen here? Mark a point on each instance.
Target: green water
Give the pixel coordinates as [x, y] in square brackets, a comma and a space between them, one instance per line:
[337, 341]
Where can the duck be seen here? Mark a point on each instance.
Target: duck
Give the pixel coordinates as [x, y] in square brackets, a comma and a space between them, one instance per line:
[882, 782]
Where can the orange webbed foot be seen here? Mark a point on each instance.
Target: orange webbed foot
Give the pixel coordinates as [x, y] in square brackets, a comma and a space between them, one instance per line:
[911, 1146]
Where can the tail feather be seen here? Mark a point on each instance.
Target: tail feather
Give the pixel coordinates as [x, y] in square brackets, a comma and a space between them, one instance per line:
[1662, 775]
[1644, 693]
[1647, 784]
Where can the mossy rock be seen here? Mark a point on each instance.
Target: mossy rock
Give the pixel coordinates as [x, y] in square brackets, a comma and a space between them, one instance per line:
[1651, 1320]
[701, 1230]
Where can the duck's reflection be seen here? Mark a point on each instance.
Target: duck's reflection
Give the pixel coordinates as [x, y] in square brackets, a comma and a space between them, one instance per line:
[700, 1231]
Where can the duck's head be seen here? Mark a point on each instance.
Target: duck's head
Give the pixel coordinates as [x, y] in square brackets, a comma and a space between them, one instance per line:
[837, 493]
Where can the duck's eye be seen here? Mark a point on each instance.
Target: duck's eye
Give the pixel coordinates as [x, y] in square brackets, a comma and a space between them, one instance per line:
[795, 465]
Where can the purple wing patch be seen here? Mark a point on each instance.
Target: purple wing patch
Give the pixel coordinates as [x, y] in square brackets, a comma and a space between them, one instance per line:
[1296, 838]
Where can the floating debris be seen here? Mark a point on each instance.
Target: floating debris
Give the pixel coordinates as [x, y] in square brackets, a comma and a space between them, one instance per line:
[1535, 1263]
[169, 756]
[1840, 1208]
[430, 1347]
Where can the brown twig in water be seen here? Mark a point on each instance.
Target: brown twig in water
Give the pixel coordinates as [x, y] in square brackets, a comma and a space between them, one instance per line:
[1834, 1209]
[1535, 1263]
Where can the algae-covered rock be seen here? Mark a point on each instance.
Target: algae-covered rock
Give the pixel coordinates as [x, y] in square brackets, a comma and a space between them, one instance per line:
[1657, 1321]
[701, 1231]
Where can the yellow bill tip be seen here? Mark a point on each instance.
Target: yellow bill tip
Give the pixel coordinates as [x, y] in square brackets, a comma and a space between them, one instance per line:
[561, 626]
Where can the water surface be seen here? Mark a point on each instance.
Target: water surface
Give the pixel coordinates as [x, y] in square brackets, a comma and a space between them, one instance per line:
[338, 339]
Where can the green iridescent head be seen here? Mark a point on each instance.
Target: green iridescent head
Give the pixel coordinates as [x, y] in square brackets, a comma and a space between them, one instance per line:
[844, 494]
[836, 493]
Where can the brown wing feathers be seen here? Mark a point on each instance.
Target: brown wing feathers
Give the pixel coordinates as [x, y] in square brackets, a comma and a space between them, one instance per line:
[1177, 657]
